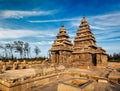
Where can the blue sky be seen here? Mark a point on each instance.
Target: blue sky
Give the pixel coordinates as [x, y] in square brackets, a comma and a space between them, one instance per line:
[38, 21]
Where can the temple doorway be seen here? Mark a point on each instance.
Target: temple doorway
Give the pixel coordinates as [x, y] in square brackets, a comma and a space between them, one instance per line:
[94, 60]
[57, 57]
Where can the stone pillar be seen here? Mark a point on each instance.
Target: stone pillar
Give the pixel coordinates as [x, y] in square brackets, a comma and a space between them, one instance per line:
[57, 58]
[98, 56]
[53, 57]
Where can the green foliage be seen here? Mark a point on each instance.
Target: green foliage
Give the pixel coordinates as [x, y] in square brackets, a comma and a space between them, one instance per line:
[27, 59]
[114, 57]
[22, 49]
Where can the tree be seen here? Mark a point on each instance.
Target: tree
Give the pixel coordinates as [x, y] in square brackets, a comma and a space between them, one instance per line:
[11, 50]
[1, 47]
[26, 50]
[7, 50]
[19, 46]
[37, 51]
[114, 57]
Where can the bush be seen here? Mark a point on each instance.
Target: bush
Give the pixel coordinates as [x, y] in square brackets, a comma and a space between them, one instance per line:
[114, 57]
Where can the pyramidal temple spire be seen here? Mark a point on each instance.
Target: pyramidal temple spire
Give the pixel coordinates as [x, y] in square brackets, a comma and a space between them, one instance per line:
[85, 47]
[84, 35]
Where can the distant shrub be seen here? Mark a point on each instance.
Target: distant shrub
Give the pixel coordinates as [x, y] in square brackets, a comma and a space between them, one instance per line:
[114, 57]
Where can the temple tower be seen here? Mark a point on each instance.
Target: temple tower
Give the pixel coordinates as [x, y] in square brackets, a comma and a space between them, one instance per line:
[85, 49]
[61, 50]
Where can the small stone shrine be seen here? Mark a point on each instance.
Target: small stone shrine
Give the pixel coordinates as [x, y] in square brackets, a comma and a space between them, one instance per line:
[61, 50]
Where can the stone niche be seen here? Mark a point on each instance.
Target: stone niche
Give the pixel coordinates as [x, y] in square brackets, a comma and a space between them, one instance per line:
[82, 57]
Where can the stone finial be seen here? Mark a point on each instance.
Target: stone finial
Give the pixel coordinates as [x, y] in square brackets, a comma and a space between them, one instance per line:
[84, 20]
[62, 29]
[62, 25]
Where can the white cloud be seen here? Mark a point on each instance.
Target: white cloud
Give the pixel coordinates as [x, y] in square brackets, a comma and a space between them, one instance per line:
[48, 34]
[106, 20]
[100, 22]
[77, 23]
[10, 33]
[20, 14]
[105, 27]
[56, 20]
[6, 33]
[109, 36]
[96, 27]
[41, 43]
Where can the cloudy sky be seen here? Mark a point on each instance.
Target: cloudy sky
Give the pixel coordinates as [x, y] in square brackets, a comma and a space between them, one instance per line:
[38, 21]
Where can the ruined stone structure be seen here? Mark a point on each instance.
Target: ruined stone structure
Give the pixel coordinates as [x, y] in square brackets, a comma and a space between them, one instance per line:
[76, 84]
[84, 49]
[62, 47]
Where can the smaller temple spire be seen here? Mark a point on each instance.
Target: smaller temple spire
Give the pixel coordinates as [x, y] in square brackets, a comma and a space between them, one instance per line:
[62, 29]
[84, 20]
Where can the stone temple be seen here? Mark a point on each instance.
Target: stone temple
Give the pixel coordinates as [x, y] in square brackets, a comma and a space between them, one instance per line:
[62, 47]
[84, 50]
